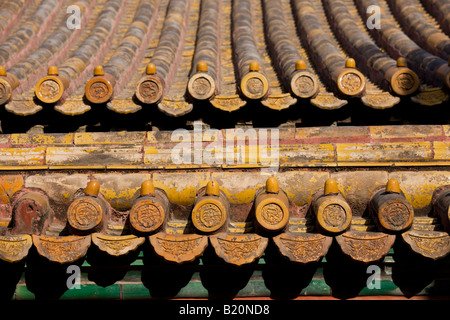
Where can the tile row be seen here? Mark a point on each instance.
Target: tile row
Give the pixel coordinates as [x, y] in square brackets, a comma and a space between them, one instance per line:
[173, 55]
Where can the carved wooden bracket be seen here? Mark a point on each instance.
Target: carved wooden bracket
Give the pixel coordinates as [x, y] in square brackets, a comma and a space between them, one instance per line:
[238, 249]
[303, 247]
[117, 245]
[62, 249]
[14, 248]
[365, 246]
[179, 248]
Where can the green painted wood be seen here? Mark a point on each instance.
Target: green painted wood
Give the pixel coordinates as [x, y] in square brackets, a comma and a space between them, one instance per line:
[92, 291]
[387, 288]
[135, 291]
[22, 293]
[253, 288]
[86, 291]
[317, 287]
[193, 290]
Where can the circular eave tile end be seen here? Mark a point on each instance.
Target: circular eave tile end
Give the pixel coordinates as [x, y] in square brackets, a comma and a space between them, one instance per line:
[351, 82]
[272, 214]
[254, 85]
[396, 215]
[5, 91]
[405, 82]
[84, 214]
[147, 216]
[209, 215]
[334, 216]
[304, 84]
[98, 90]
[49, 89]
[149, 89]
[201, 86]
[447, 79]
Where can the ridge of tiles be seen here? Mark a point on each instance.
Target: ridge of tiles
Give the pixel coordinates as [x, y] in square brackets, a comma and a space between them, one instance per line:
[125, 37]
